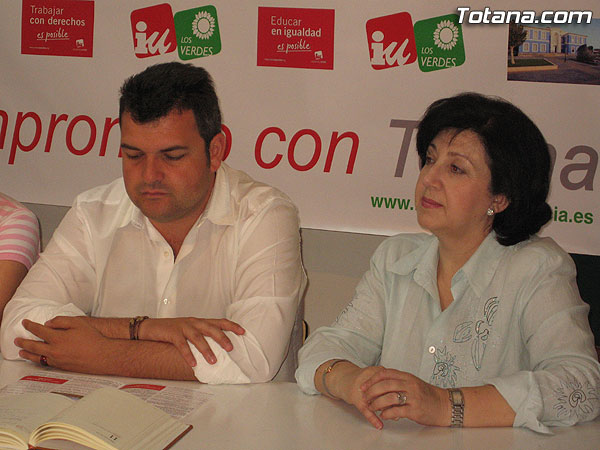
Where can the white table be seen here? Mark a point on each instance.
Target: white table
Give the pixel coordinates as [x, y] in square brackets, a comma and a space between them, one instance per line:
[280, 416]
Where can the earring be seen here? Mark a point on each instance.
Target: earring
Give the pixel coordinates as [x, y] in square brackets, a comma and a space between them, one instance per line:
[490, 211]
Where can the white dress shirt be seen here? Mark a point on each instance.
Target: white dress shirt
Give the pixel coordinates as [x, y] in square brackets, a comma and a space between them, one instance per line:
[240, 261]
[517, 322]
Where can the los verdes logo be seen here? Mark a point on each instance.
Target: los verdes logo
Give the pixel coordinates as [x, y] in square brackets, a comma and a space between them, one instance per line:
[193, 32]
[439, 43]
[197, 32]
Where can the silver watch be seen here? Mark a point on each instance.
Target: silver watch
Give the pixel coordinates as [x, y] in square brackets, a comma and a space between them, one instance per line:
[458, 407]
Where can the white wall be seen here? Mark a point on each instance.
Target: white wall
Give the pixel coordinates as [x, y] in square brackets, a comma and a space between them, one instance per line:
[334, 262]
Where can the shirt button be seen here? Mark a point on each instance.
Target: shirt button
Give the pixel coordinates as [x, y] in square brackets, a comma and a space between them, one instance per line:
[166, 301]
[166, 254]
[432, 349]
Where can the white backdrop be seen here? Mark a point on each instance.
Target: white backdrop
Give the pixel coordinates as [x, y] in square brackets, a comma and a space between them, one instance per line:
[292, 109]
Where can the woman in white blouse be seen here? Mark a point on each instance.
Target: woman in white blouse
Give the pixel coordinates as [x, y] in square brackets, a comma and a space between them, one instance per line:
[479, 323]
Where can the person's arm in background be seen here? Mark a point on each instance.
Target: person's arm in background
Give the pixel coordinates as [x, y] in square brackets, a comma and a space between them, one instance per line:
[11, 275]
[19, 247]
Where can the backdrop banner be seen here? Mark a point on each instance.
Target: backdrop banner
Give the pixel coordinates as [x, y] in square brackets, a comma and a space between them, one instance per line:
[319, 99]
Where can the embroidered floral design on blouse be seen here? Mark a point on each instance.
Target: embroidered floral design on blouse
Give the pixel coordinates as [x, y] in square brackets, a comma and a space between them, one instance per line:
[574, 399]
[444, 370]
[478, 332]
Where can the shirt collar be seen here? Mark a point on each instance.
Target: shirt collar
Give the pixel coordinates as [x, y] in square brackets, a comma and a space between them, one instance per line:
[481, 266]
[423, 258]
[218, 210]
[478, 270]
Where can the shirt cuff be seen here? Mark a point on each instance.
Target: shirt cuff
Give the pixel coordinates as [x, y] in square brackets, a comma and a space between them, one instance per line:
[224, 371]
[39, 315]
[522, 393]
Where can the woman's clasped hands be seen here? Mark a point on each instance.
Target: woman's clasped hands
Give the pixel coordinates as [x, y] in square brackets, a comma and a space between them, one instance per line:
[384, 394]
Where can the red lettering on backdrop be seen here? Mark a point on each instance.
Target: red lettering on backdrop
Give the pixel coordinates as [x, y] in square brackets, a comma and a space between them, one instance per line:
[295, 37]
[16, 140]
[53, 122]
[316, 153]
[108, 124]
[91, 140]
[57, 27]
[258, 147]
[4, 116]
[335, 140]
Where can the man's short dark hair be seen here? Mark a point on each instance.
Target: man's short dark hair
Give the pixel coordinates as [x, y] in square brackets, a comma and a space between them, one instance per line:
[517, 155]
[162, 88]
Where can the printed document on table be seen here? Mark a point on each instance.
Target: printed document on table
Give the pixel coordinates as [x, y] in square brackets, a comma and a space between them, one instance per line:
[177, 401]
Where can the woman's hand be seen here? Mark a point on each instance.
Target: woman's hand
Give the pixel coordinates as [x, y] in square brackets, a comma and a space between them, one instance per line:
[395, 394]
[344, 383]
[178, 331]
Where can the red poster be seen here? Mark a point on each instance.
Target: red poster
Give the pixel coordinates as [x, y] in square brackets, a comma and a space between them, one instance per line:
[58, 27]
[295, 37]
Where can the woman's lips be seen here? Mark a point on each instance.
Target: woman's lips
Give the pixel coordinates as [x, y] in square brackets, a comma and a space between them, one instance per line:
[429, 203]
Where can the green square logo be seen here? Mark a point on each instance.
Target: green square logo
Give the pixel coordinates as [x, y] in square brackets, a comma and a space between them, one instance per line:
[197, 32]
[439, 43]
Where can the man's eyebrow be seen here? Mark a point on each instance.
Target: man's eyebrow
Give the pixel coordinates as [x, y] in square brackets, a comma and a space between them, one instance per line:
[163, 150]
[129, 147]
[173, 148]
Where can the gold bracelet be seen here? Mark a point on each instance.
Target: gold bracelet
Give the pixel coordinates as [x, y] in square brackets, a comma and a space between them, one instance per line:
[134, 326]
[325, 372]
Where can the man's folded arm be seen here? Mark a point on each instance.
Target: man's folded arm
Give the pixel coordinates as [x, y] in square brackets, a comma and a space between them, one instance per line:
[79, 347]
[270, 280]
[61, 282]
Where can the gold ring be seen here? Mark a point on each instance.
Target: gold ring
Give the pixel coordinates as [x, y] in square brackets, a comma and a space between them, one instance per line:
[43, 361]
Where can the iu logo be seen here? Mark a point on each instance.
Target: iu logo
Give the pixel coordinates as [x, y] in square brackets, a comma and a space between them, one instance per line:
[391, 41]
[153, 31]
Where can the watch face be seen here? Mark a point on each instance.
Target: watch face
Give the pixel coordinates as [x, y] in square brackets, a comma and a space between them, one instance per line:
[457, 398]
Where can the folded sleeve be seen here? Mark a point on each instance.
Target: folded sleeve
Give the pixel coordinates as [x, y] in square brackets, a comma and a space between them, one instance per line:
[562, 386]
[269, 281]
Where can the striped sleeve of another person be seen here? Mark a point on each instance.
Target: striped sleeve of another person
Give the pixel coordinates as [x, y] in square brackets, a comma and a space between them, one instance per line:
[19, 232]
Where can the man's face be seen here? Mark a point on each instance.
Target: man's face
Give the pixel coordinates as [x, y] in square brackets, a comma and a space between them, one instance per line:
[166, 171]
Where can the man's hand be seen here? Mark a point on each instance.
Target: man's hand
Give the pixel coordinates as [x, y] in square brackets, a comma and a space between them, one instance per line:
[178, 331]
[75, 346]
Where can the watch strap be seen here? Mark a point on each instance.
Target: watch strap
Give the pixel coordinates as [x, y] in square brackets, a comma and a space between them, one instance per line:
[457, 401]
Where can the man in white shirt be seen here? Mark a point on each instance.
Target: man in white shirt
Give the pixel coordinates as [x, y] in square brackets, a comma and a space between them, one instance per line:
[182, 269]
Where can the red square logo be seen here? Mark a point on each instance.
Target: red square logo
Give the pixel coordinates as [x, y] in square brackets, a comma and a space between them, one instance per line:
[57, 27]
[295, 37]
[153, 31]
[391, 41]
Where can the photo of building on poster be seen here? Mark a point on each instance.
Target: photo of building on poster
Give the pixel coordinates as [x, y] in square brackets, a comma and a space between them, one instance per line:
[556, 53]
